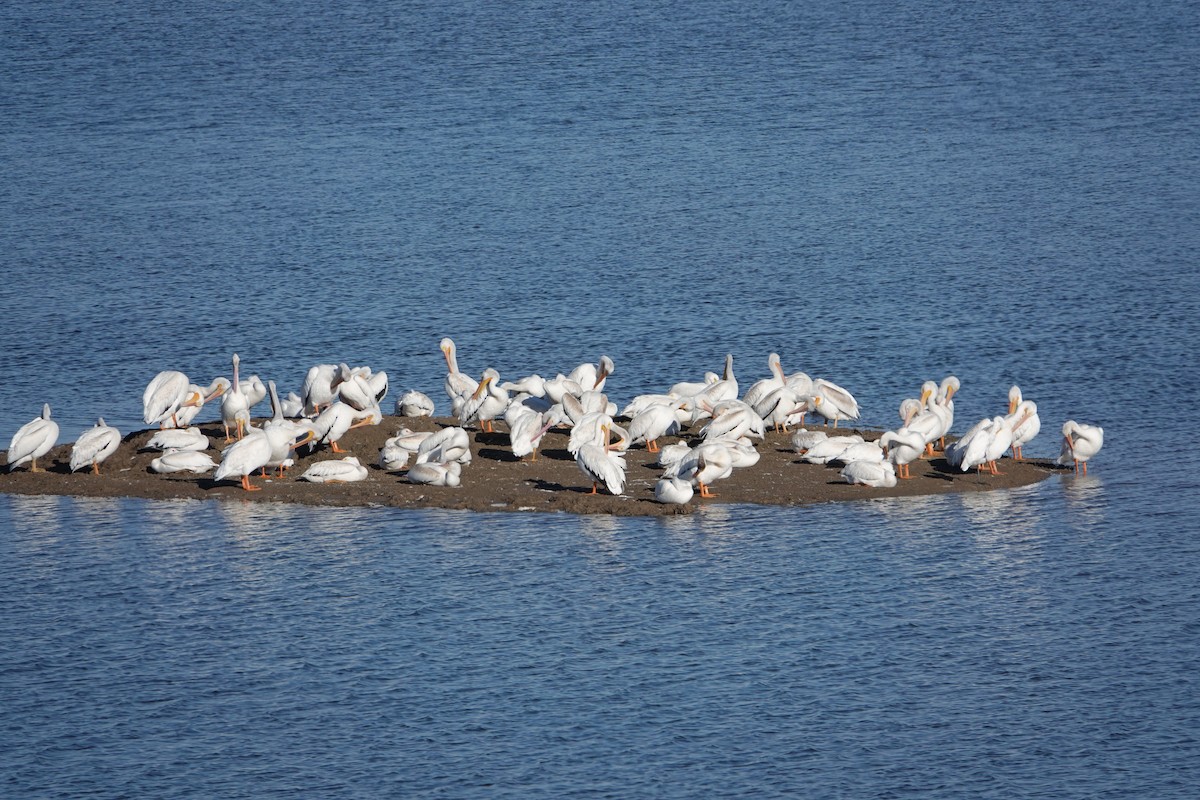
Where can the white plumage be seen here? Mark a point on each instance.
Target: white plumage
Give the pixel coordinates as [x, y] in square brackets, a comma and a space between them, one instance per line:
[94, 446]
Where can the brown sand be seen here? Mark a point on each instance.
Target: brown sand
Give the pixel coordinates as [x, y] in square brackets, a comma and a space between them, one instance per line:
[496, 481]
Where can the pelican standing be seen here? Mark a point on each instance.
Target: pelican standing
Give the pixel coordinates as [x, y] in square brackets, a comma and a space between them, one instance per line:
[458, 384]
[32, 441]
[703, 466]
[1026, 424]
[761, 388]
[319, 386]
[94, 446]
[653, 423]
[164, 396]
[602, 465]
[235, 406]
[1080, 443]
[903, 447]
[244, 457]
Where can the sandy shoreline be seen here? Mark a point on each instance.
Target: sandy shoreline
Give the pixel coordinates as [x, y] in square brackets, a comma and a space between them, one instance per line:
[497, 481]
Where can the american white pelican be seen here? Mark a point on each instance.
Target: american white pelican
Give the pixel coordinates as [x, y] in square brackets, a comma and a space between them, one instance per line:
[706, 464]
[94, 446]
[653, 423]
[903, 447]
[1025, 423]
[693, 388]
[337, 470]
[673, 491]
[1001, 440]
[320, 384]
[1080, 443]
[285, 435]
[356, 390]
[197, 397]
[592, 376]
[178, 439]
[859, 451]
[933, 421]
[602, 465]
[532, 385]
[164, 396]
[432, 473]
[829, 448]
[254, 389]
[448, 444]
[338, 418]
[742, 452]
[183, 461]
[804, 439]
[414, 404]
[733, 418]
[244, 457]
[976, 439]
[487, 402]
[761, 388]
[32, 441]
[832, 402]
[876, 474]
[719, 391]
[1014, 398]
[945, 395]
[409, 439]
[671, 454]
[559, 387]
[293, 405]
[982, 446]
[235, 406]
[458, 384]
[591, 428]
[780, 407]
[393, 457]
[526, 430]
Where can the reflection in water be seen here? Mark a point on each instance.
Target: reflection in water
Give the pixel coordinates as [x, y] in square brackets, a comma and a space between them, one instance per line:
[34, 513]
[1085, 501]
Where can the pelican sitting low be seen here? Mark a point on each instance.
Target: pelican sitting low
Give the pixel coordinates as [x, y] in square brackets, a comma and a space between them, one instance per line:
[675, 491]
[431, 473]
[876, 474]
[178, 439]
[337, 470]
[1080, 443]
[94, 446]
[183, 461]
[448, 444]
[414, 404]
[32, 441]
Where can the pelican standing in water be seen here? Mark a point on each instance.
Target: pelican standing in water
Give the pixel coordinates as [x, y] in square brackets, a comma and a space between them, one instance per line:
[1080, 443]
[32, 441]
[94, 446]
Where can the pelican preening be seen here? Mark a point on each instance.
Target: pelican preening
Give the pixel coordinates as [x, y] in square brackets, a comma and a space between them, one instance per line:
[32, 441]
[94, 446]
[1080, 443]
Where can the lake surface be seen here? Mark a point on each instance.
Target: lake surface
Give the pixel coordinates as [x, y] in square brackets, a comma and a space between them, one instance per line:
[882, 196]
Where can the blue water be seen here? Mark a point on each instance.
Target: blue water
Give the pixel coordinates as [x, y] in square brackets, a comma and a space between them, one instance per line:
[882, 196]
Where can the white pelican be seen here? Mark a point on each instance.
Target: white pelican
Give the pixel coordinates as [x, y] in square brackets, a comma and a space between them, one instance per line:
[1014, 398]
[320, 384]
[903, 447]
[526, 430]
[724, 389]
[742, 452]
[432, 473]
[532, 385]
[591, 376]
[589, 429]
[780, 406]
[337, 470]
[356, 389]
[393, 457]
[164, 396]
[338, 418]
[32, 441]
[235, 406]
[829, 448]
[254, 389]
[761, 388]
[932, 422]
[448, 444]
[178, 439]
[832, 401]
[804, 439]
[671, 454]
[602, 465]
[183, 461]
[293, 405]
[858, 451]
[945, 395]
[1025, 423]
[244, 457]
[559, 387]
[693, 388]
[703, 466]
[284, 434]
[1080, 443]
[487, 402]
[673, 491]
[1002, 437]
[976, 439]
[458, 385]
[197, 397]
[409, 439]
[95, 445]
[876, 474]
[414, 404]
[733, 418]
[653, 423]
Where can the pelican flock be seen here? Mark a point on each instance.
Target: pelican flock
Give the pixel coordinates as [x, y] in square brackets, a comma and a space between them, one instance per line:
[702, 432]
